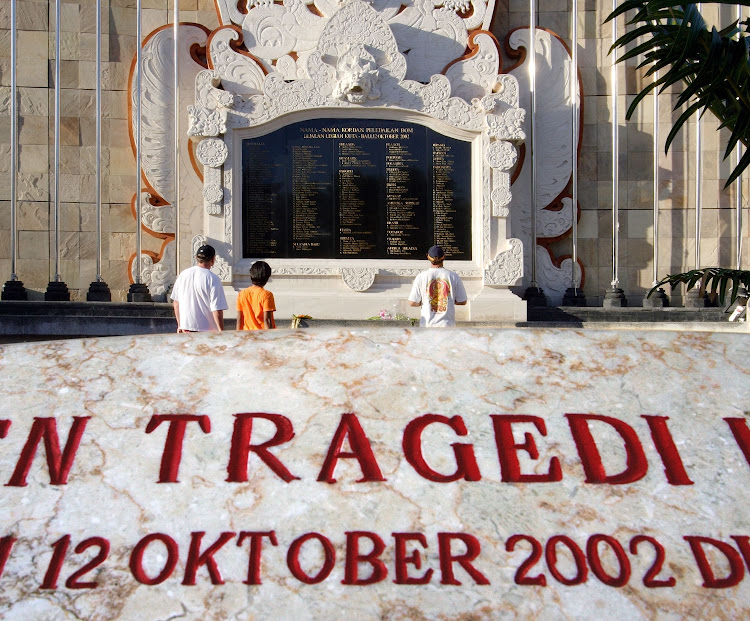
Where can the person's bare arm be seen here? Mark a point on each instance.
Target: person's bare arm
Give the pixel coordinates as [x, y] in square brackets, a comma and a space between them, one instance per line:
[268, 319]
[240, 322]
[418, 304]
[176, 307]
[219, 319]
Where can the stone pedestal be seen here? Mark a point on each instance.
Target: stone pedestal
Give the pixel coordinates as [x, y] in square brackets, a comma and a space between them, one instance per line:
[99, 292]
[139, 292]
[574, 297]
[693, 299]
[614, 297]
[658, 299]
[57, 291]
[493, 304]
[534, 296]
[14, 290]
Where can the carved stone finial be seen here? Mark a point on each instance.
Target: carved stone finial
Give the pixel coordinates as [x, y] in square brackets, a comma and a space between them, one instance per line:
[357, 76]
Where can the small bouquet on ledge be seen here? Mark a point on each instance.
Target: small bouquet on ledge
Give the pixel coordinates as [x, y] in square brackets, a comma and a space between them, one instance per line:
[300, 321]
[384, 315]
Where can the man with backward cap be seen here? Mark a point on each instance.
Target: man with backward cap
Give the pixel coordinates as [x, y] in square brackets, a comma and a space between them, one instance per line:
[198, 297]
[438, 291]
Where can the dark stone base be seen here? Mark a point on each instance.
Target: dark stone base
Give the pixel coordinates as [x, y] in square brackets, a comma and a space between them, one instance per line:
[693, 299]
[57, 291]
[534, 297]
[14, 290]
[658, 299]
[99, 292]
[139, 292]
[614, 298]
[574, 297]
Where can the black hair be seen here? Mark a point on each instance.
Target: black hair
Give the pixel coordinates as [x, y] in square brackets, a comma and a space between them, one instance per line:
[260, 272]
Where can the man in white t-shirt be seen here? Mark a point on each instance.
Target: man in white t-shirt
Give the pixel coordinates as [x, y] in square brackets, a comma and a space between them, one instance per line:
[198, 297]
[438, 291]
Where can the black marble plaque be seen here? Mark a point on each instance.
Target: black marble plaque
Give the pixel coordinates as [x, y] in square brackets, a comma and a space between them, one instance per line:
[354, 189]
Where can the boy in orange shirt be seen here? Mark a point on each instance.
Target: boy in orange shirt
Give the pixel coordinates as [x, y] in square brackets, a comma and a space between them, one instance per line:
[255, 305]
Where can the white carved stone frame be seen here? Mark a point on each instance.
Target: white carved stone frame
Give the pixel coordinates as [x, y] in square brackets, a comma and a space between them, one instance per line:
[359, 72]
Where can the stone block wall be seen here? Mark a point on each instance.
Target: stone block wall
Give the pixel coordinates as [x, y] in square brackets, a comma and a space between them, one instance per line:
[78, 243]
[676, 243]
[35, 184]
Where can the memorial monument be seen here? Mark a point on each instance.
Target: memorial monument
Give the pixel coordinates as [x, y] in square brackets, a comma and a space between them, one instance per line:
[342, 144]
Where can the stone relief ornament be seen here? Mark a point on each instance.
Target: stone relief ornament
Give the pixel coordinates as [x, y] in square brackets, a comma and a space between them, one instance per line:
[554, 149]
[507, 267]
[501, 155]
[159, 275]
[221, 266]
[474, 76]
[212, 152]
[359, 278]
[356, 76]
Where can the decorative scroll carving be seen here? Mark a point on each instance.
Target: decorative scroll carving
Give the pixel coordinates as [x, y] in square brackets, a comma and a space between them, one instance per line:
[156, 215]
[359, 278]
[221, 267]
[507, 266]
[554, 148]
[475, 76]
[159, 275]
[238, 72]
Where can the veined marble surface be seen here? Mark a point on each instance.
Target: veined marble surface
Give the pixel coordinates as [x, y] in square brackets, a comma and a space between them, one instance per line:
[387, 378]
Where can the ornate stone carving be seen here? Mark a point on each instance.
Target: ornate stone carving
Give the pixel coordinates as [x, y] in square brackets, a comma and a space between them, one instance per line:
[221, 267]
[508, 125]
[156, 216]
[205, 122]
[359, 278]
[507, 267]
[475, 76]
[501, 155]
[356, 76]
[554, 148]
[157, 276]
[212, 152]
[238, 72]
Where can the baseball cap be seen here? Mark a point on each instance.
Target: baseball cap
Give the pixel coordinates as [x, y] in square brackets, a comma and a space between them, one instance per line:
[206, 252]
[436, 252]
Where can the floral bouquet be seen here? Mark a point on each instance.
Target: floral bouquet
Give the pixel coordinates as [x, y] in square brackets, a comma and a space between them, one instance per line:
[300, 319]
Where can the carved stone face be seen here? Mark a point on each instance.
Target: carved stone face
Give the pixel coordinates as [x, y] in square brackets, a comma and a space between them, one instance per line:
[357, 76]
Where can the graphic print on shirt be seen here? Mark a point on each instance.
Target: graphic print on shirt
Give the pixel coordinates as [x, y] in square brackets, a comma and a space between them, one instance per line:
[438, 293]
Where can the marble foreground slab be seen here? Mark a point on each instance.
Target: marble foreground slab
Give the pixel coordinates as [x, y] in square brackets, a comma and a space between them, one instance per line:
[479, 474]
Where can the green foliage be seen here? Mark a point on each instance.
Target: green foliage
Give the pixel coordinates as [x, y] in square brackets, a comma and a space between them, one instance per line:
[715, 278]
[714, 65]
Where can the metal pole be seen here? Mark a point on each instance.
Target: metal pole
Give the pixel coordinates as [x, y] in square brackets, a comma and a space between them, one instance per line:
[98, 140]
[139, 66]
[575, 105]
[98, 290]
[698, 184]
[13, 140]
[58, 13]
[656, 182]
[13, 289]
[532, 137]
[534, 296]
[56, 289]
[738, 184]
[138, 292]
[176, 200]
[615, 160]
